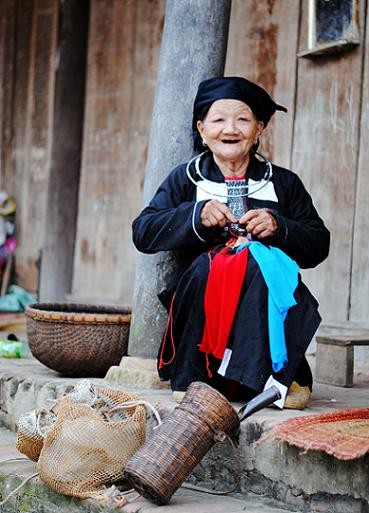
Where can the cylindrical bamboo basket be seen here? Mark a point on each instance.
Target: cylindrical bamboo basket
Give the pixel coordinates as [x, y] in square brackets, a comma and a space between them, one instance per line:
[167, 458]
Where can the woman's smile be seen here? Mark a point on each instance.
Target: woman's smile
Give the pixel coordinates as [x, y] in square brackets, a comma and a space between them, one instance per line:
[230, 129]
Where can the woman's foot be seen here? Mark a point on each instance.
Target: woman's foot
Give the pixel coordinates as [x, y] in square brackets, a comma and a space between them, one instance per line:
[298, 397]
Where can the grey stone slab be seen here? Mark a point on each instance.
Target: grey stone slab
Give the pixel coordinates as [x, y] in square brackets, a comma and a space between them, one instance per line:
[186, 501]
[310, 481]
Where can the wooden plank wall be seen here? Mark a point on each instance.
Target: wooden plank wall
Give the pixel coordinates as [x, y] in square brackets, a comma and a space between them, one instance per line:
[324, 136]
[30, 52]
[262, 47]
[359, 297]
[2, 87]
[2, 95]
[7, 50]
[56, 271]
[325, 154]
[318, 139]
[16, 175]
[124, 46]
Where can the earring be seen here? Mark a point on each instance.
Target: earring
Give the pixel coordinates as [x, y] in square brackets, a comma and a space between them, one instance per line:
[256, 145]
[204, 143]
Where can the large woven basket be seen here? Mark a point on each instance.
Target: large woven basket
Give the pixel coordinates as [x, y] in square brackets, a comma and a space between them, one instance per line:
[168, 457]
[78, 340]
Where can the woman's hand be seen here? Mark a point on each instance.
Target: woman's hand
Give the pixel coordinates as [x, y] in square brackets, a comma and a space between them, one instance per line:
[214, 213]
[259, 223]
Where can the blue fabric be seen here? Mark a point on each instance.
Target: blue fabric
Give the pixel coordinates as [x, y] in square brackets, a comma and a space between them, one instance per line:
[280, 273]
[15, 300]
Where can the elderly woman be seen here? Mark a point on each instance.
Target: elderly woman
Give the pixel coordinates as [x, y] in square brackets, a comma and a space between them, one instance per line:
[238, 311]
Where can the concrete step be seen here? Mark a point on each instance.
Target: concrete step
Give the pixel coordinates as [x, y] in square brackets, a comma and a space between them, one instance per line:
[34, 496]
[311, 481]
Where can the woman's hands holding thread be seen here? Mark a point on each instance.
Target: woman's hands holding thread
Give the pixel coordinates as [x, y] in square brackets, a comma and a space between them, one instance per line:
[214, 213]
[260, 223]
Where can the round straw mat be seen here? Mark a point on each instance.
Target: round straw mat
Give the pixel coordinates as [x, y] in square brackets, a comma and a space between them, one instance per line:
[343, 434]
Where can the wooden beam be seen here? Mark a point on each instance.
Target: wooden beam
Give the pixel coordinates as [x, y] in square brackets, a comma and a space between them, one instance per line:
[63, 184]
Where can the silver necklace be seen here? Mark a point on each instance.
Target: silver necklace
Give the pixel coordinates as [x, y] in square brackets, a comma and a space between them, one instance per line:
[197, 159]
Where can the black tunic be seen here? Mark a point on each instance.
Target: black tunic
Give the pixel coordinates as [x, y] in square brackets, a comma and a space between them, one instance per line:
[172, 222]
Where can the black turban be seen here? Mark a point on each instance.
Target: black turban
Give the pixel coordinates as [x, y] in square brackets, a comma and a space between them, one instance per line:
[232, 88]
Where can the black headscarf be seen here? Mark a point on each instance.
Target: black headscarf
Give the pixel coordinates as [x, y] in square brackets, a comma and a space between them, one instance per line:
[232, 88]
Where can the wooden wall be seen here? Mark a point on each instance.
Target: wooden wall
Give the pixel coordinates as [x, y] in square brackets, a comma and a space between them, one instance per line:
[327, 136]
[319, 138]
[27, 49]
[7, 50]
[359, 297]
[324, 136]
[124, 47]
[327, 132]
[262, 46]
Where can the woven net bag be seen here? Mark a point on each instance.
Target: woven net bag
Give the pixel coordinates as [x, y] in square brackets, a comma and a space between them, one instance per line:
[31, 430]
[88, 446]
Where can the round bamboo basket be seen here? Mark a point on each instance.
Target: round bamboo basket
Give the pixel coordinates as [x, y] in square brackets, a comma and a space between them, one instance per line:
[78, 340]
[168, 457]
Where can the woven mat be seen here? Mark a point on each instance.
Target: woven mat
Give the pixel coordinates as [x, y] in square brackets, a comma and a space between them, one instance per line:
[343, 434]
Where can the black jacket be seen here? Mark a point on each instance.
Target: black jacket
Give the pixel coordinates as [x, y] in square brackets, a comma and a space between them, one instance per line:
[172, 219]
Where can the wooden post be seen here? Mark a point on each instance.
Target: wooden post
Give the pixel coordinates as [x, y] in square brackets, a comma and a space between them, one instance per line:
[193, 48]
[62, 199]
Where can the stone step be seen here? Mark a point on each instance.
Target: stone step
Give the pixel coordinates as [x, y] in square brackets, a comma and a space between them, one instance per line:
[34, 496]
[310, 481]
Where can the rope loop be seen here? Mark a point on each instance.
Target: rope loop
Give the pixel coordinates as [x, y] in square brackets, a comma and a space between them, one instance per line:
[130, 404]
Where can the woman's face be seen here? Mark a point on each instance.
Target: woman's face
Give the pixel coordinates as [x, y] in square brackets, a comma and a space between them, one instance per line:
[230, 129]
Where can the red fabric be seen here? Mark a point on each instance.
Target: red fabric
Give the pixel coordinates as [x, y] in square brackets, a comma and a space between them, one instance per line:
[222, 294]
[169, 330]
